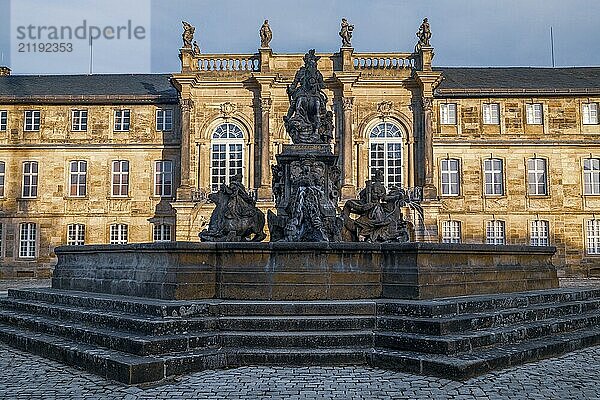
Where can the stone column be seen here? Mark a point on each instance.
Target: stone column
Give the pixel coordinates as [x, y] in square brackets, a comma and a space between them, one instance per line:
[184, 192]
[348, 188]
[429, 189]
[264, 191]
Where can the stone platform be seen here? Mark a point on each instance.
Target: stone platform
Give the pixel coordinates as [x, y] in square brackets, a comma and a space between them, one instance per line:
[303, 271]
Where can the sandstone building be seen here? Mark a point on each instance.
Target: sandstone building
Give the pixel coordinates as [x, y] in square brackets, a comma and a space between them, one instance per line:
[503, 155]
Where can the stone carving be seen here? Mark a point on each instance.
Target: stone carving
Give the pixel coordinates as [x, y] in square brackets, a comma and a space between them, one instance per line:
[196, 49]
[424, 34]
[265, 35]
[384, 108]
[235, 217]
[228, 108]
[308, 120]
[346, 33]
[379, 214]
[187, 35]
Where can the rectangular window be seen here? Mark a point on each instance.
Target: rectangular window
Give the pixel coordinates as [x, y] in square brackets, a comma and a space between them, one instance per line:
[450, 177]
[162, 233]
[3, 120]
[448, 113]
[491, 113]
[537, 177]
[534, 114]
[76, 234]
[2, 177]
[451, 232]
[27, 239]
[77, 178]
[590, 113]
[118, 234]
[163, 178]
[164, 119]
[120, 178]
[493, 177]
[539, 233]
[79, 120]
[122, 119]
[30, 179]
[495, 232]
[32, 120]
[591, 176]
[593, 236]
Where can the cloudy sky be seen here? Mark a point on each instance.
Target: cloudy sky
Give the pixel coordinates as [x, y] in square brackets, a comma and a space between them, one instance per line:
[465, 32]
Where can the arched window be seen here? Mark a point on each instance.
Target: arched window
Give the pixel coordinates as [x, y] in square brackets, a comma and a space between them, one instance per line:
[226, 154]
[385, 152]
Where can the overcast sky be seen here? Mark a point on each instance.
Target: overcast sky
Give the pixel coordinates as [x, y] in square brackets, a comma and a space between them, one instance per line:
[465, 32]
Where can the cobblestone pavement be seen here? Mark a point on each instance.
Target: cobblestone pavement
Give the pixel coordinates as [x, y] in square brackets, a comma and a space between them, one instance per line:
[574, 376]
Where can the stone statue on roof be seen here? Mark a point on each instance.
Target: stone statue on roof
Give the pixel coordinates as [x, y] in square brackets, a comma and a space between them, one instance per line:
[187, 35]
[424, 34]
[265, 35]
[346, 33]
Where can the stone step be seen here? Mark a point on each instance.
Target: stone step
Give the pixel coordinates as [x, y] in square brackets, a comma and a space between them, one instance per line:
[297, 308]
[478, 362]
[307, 340]
[144, 324]
[298, 356]
[444, 325]
[457, 343]
[482, 303]
[296, 323]
[109, 338]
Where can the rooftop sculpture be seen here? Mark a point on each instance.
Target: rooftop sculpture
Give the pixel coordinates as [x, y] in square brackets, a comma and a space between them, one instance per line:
[346, 33]
[187, 35]
[424, 34]
[265, 35]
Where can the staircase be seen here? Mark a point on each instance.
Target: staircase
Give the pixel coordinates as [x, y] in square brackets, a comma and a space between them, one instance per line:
[136, 340]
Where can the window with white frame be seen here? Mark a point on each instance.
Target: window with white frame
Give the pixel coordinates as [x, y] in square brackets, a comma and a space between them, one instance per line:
[2, 177]
[493, 177]
[537, 177]
[163, 178]
[592, 230]
[118, 234]
[3, 120]
[590, 113]
[534, 114]
[32, 120]
[27, 239]
[226, 155]
[164, 119]
[491, 113]
[79, 119]
[448, 113]
[591, 176]
[120, 178]
[539, 235]
[495, 232]
[451, 231]
[76, 234]
[77, 178]
[162, 232]
[450, 177]
[122, 119]
[385, 144]
[30, 179]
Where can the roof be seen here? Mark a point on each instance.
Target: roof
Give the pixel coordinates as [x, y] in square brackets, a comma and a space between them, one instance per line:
[114, 88]
[515, 81]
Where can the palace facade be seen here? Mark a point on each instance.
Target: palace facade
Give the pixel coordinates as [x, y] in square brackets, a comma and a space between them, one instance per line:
[502, 155]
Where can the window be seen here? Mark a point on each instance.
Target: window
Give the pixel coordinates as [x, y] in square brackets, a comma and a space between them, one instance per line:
[493, 177]
[491, 113]
[451, 232]
[450, 177]
[76, 234]
[79, 120]
[537, 177]
[120, 178]
[591, 176]
[590, 113]
[2, 177]
[1, 240]
[534, 114]
[226, 155]
[32, 120]
[385, 142]
[27, 239]
[77, 178]
[3, 120]
[163, 178]
[122, 119]
[494, 232]
[539, 233]
[118, 234]
[593, 236]
[448, 113]
[162, 233]
[30, 179]
[164, 119]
